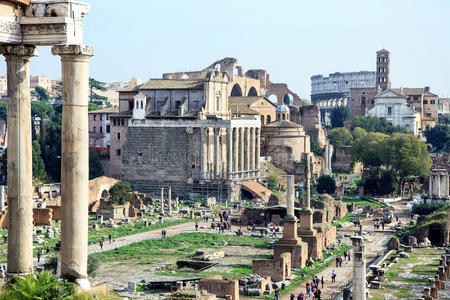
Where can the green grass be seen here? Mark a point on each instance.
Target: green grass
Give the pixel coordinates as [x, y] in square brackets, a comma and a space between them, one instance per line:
[339, 222]
[403, 293]
[180, 246]
[364, 201]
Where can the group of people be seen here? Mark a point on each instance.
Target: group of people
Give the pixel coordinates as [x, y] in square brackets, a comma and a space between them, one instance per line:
[222, 226]
[376, 225]
[163, 233]
[339, 259]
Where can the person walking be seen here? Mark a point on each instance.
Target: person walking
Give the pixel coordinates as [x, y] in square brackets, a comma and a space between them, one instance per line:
[277, 294]
[196, 226]
[308, 289]
[292, 297]
[382, 224]
[345, 255]
[110, 238]
[101, 245]
[333, 277]
[322, 281]
[301, 296]
[39, 254]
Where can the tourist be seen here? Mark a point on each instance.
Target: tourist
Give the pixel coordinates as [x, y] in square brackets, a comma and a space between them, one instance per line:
[333, 277]
[110, 238]
[196, 226]
[101, 245]
[322, 281]
[39, 254]
[348, 257]
[337, 262]
[317, 293]
[301, 296]
[277, 294]
[382, 224]
[345, 255]
[308, 289]
[292, 297]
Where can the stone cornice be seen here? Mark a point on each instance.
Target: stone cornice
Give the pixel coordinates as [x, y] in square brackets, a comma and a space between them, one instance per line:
[72, 50]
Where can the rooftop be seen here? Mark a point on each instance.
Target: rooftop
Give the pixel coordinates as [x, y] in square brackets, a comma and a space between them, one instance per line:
[173, 84]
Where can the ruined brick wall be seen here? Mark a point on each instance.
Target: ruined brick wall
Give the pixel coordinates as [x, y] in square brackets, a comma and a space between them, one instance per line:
[43, 216]
[220, 288]
[342, 158]
[116, 145]
[361, 99]
[280, 90]
[98, 187]
[56, 212]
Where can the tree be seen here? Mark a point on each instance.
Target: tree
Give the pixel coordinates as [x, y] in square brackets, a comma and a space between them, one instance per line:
[338, 116]
[99, 86]
[315, 147]
[367, 149]
[358, 132]
[326, 185]
[93, 106]
[41, 109]
[405, 155]
[120, 193]
[340, 137]
[439, 138]
[445, 119]
[374, 124]
[38, 164]
[42, 94]
[273, 182]
[95, 165]
[3, 110]
[50, 142]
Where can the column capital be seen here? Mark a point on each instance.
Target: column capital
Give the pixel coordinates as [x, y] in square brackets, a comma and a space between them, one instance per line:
[73, 50]
[19, 50]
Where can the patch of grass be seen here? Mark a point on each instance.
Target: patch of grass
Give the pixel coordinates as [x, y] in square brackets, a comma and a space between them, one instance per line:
[403, 293]
[364, 201]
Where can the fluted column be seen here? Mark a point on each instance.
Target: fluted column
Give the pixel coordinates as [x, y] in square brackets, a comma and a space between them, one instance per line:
[252, 151]
[203, 154]
[74, 159]
[247, 152]
[229, 152]
[20, 171]
[216, 152]
[258, 151]
[235, 152]
[241, 152]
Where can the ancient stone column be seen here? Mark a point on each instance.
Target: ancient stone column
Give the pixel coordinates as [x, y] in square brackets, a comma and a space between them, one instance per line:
[161, 210]
[359, 268]
[20, 171]
[177, 204]
[203, 154]
[169, 200]
[74, 159]
[247, 152]
[235, 152]
[326, 150]
[241, 152]
[308, 180]
[229, 152]
[306, 213]
[216, 152]
[290, 198]
[258, 151]
[252, 150]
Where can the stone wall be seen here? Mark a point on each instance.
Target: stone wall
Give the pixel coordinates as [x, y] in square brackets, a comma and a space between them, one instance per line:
[278, 268]
[342, 158]
[56, 215]
[43, 216]
[361, 99]
[220, 288]
[98, 187]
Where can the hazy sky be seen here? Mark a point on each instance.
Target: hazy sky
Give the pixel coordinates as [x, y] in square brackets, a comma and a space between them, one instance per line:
[291, 39]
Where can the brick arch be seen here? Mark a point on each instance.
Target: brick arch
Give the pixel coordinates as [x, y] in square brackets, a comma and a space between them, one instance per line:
[236, 91]
[252, 91]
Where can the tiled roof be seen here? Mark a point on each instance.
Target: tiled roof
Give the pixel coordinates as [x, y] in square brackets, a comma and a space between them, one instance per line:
[257, 189]
[173, 84]
[284, 124]
[409, 91]
[106, 110]
[131, 88]
[124, 114]
[241, 105]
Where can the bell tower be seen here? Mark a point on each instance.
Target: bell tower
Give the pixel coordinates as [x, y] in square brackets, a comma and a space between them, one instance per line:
[383, 70]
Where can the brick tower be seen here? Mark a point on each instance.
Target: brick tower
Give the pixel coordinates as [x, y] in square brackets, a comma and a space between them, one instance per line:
[383, 70]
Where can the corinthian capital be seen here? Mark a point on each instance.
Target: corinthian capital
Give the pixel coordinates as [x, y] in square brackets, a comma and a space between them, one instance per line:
[76, 50]
[18, 50]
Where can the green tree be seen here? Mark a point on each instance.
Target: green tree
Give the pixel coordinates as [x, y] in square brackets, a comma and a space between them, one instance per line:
[93, 106]
[367, 149]
[41, 110]
[50, 142]
[42, 94]
[273, 182]
[445, 119]
[338, 116]
[4, 166]
[3, 110]
[374, 124]
[315, 147]
[358, 132]
[95, 165]
[38, 164]
[439, 138]
[340, 137]
[99, 86]
[120, 193]
[405, 155]
[326, 185]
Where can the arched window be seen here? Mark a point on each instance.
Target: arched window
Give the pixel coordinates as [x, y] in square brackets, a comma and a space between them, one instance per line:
[268, 119]
[218, 103]
[262, 119]
[95, 129]
[118, 135]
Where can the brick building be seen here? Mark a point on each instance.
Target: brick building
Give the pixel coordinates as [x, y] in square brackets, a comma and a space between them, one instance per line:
[100, 127]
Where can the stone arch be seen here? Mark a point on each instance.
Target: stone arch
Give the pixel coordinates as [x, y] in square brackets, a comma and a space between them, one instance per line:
[269, 119]
[262, 120]
[105, 194]
[288, 99]
[252, 92]
[273, 98]
[236, 91]
[218, 67]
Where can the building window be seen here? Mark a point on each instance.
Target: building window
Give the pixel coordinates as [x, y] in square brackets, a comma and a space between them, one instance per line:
[108, 129]
[389, 111]
[268, 120]
[428, 114]
[363, 100]
[218, 104]
[101, 129]
[118, 152]
[121, 121]
[177, 104]
[432, 102]
[95, 117]
[425, 101]
[416, 98]
[95, 129]
[101, 117]
[118, 135]
[158, 105]
[262, 119]
[114, 122]
[373, 101]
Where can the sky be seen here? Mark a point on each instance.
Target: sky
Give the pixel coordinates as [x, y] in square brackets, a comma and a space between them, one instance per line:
[291, 39]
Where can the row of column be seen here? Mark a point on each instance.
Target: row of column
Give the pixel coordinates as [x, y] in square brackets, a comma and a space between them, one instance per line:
[438, 185]
[242, 147]
[74, 159]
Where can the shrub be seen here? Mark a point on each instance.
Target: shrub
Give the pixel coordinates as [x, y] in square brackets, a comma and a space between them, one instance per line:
[326, 185]
[93, 264]
[272, 182]
[120, 193]
[426, 209]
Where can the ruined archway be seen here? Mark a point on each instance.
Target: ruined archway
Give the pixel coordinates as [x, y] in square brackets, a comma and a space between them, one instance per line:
[252, 92]
[236, 91]
[273, 98]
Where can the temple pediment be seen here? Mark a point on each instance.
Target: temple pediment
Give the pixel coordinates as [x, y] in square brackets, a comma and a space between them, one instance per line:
[43, 23]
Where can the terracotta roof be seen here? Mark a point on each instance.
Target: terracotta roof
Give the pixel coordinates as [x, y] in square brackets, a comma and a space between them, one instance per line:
[283, 124]
[409, 91]
[127, 113]
[173, 84]
[112, 109]
[131, 88]
[257, 189]
[173, 114]
[241, 105]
